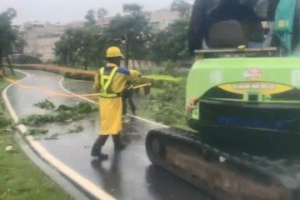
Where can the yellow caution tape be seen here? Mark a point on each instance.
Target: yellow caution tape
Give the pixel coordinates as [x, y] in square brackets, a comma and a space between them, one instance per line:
[140, 86]
[45, 90]
[54, 93]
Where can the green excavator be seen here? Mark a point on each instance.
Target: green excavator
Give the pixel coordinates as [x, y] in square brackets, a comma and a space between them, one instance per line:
[242, 101]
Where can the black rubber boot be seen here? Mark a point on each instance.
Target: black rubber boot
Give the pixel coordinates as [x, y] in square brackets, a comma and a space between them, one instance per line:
[96, 152]
[97, 147]
[102, 156]
[119, 146]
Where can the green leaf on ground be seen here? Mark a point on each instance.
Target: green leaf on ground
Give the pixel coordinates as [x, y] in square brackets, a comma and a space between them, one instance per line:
[47, 105]
[62, 114]
[76, 129]
[34, 132]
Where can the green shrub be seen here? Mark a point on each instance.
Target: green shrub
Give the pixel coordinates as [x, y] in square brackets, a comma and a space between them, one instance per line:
[4, 122]
[168, 106]
[24, 59]
[169, 67]
[158, 81]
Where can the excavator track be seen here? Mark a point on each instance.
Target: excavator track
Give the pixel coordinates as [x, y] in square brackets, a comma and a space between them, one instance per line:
[226, 176]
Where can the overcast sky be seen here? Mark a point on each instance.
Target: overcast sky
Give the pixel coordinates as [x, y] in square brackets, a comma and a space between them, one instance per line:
[70, 10]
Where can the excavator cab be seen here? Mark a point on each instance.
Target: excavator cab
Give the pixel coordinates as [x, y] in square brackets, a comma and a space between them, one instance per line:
[251, 23]
[245, 67]
[232, 38]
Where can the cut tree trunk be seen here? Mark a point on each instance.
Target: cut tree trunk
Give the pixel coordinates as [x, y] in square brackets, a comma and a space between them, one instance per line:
[85, 65]
[10, 65]
[1, 67]
[139, 64]
[126, 54]
[133, 64]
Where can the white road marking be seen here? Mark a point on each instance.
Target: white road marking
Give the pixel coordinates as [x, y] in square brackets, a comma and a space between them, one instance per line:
[69, 92]
[60, 166]
[86, 99]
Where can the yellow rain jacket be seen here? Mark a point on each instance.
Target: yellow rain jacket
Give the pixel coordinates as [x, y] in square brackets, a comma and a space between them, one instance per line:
[110, 81]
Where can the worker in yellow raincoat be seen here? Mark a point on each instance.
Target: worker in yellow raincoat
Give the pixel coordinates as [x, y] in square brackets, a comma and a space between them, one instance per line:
[110, 82]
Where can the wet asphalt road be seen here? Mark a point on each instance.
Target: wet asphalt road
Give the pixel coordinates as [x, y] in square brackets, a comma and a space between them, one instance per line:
[128, 175]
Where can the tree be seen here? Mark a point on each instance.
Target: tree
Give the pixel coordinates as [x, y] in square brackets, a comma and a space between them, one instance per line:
[10, 13]
[182, 7]
[20, 42]
[131, 32]
[90, 18]
[133, 9]
[9, 35]
[158, 50]
[87, 49]
[81, 46]
[101, 13]
[171, 43]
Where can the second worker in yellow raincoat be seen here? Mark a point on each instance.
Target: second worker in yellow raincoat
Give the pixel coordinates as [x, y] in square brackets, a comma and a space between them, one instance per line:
[110, 81]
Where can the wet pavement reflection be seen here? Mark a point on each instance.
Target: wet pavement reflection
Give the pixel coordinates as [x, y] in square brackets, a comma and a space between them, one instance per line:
[127, 175]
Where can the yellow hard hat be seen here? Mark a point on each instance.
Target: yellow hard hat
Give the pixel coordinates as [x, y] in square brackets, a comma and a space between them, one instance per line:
[113, 52]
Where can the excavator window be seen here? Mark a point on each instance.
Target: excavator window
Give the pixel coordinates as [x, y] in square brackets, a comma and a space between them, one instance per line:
[233, 33]
[226, 34]
[217, 24]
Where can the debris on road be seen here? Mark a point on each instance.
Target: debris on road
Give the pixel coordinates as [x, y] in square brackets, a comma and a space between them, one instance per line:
[57, 114]
[61, 114]
[47, 105]
[52, 137]
[76, 129]
[34, 132]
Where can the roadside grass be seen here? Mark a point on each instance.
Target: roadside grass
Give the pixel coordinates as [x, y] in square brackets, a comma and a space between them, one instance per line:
[165, 105]
[157, 91]
[4, 83]
[143, 104]
[20, 178]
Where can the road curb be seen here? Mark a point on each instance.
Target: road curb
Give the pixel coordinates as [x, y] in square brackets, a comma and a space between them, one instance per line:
[82, 183]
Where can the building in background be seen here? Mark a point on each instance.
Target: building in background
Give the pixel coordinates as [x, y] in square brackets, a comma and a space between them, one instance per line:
[103, 22]
[41, 38]
[160, 19]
